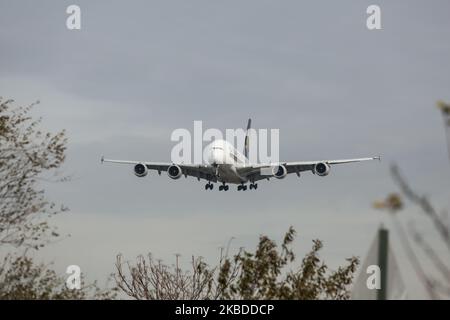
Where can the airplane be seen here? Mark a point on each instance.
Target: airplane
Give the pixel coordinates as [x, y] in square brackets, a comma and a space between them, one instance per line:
[226, 165]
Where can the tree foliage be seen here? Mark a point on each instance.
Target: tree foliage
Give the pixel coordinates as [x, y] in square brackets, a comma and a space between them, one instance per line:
[29, 155]
[26, 153]
[267, 273]
[22, 279]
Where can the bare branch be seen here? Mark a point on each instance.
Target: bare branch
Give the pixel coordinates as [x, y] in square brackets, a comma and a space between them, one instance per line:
[424, 204]
[431, 253]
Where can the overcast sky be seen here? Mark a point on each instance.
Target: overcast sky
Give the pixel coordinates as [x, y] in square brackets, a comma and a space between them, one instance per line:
[137, 70]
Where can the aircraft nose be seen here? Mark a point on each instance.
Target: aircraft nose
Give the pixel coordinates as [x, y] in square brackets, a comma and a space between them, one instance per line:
[217, 156]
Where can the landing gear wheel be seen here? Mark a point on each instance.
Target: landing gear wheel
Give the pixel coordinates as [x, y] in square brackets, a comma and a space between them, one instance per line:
[209, 186]
[239, 188]
[223, 187]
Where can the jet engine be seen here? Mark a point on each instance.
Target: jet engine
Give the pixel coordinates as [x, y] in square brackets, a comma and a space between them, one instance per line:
[321, 169]
[140, 170]
[279, 171]
[174, 171]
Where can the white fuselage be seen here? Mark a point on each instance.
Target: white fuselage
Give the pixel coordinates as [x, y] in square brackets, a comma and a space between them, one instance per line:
[226, 158]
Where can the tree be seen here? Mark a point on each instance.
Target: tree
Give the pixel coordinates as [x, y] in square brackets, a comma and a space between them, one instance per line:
[27, 157]
[26, 153]
[22, 279]
[267, 273]
[151, 279]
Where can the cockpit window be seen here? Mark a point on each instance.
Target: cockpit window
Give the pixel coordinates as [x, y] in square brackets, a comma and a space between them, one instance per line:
[219, 148]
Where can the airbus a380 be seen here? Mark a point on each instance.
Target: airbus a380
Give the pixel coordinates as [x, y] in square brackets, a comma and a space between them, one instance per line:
[227, 165]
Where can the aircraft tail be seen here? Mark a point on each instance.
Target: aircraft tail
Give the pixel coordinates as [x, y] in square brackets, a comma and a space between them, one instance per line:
[246, 146]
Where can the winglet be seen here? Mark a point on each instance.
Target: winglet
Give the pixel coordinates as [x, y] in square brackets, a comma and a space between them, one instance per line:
[377, 158]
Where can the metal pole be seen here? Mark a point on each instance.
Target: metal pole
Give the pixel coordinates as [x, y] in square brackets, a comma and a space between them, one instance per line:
[383, 242]
[445, 108]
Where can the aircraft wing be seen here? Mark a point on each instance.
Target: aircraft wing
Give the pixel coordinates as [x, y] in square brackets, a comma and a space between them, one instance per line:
[263, 171]
[197, 171]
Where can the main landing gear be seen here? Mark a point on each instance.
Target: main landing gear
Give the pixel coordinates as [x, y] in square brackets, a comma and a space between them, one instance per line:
[253, 186]
[243, 187]
[224, 187]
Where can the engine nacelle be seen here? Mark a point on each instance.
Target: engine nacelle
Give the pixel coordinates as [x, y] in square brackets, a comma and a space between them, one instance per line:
[174, 171]
[321, 169]
[140, 170]
[279, 171]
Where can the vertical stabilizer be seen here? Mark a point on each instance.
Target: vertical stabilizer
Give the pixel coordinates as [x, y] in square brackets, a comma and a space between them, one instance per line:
[246, 146]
